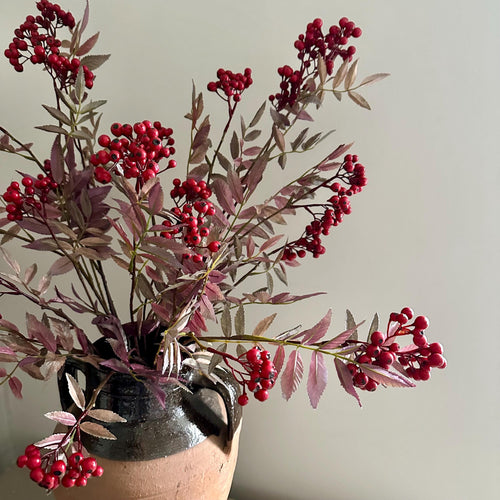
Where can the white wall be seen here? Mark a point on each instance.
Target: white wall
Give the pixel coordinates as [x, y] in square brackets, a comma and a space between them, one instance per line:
[424, 233]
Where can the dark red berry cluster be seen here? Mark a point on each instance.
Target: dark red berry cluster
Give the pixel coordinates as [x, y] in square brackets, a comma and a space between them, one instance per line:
[49, 472]
[30, 196]
[260, 374]
[189, 217]
[134, 152]
[351, 173]
[384, 351]
[311, 45]
[231, 85]
[36, 41]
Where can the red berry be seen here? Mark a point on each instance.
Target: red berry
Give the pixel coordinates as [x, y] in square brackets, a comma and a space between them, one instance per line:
[214, 246]
[81, 481]
[435, 360]
[33, 462]
[37, 474]
[58, 468]
[88, 465]
[436, 347]
[262, 394]
[243, 400]
[99, 471]
[74, 460]
[377, 338]
[67, 481]
[21, 461]
[421, 322]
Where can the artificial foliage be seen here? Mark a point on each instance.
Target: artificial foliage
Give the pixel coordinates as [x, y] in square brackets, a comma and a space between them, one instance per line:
[194, 238]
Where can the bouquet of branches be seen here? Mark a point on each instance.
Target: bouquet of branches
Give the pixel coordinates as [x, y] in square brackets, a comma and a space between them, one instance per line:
[188, 237]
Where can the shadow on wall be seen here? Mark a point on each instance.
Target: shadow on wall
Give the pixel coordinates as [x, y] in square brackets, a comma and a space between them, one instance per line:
[241, 493]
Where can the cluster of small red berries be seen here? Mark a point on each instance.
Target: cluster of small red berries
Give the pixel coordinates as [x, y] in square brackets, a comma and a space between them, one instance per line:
[35, 194]
[190, 223]
[49, 472]
[352, 174]
[134, 152]
[311, 45]
[261, 374]
[231, 85]
[35, 41]
[383, 351]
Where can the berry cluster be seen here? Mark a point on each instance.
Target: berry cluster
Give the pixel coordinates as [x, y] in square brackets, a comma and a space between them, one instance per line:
[35, 194]
[231, 85]
[134, 152]
[190, 214]
[35, 40]
[260, 374]
[310, 46]
[49, 472]
[384, 351]
[352, 174]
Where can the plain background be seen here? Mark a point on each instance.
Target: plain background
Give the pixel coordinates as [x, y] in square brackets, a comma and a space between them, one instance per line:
[424, 233]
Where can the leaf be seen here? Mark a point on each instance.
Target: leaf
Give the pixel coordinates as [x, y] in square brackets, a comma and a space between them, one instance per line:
[318, 331]
[85, 18]
[96, 430]
[88, 45]
[251, 136]
[255, 174]
[321, 70]
[373, 326]
[359, 99]
[374, 78]
[63, 417]
[107, 416]
[92, 105]
[224, 195]
[94, 62]
[234, 146]
[340, 74]
[351, 75]
[16, 387]
[38, 330]
[225, 321]
[292, 375]
[386, 377]
[263, 325]
[30, 273]
[53, 441]
[75, 391]
[14, 265]
[270, 242]
[317, 379]
[225, 163]
[216, 358]
[279, 358]
[235, 185]
[57, 114]
[52, 128]
[299, 139]
[351, 324]
[155, 199]
[258, 115]
[239, 321]
[279, 139]
[341, 338]
[61, 266]
[345, 378]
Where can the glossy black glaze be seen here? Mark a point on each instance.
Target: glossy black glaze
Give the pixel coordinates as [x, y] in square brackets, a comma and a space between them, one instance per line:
[152, 431]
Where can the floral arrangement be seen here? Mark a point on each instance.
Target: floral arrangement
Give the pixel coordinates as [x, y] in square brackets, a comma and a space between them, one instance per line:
[96, 202]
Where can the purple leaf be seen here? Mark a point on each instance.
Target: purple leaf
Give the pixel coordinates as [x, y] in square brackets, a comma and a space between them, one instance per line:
[157, 391]
[224, 195]
[270, 242]
[292, 375]
[63, 417]
[3, 372]
[85, 18]
[83, 340]
[162, 312]
[386, 377]
[318, 378]
[318, 330]
[62, 265]
[255, 173]
[339, 151]
[155, 199]
[254, 150]
[57, 160]
[235, 185]
[341, 338]
[37, 330]
[279, 358]
[345, 378]
[115, 365]
[88, 45]
[304, 115]
[16, 387]
[75, 391]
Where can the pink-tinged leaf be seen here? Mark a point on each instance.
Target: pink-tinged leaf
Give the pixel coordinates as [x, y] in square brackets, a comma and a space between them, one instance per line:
[37, 330]
[53, 441]
[386, 377]
[8, 326]
[16, 387]
[373, 78]
[253, 151]
[107, 416]
[223, 194]
[87, 46]
[30, 273]
[359, 99]
[340, 151]
[235, 185]
[408, 348]
[7, 351]
[162, 312]
[83, 340]
[157, 391]
[263, 325]
[341, 338]
[279, 138]
[345, 378]
[155, 199]
[255, 173]
[57, 160]
[318, 331]
[63, 417]
[14, 265]
[116, 365]
[96, 430]
[85, 18]
[3, 372]
[270, 242]
[304, 115]
[317, 379]
[292, 375]
[279, 358]
[75, 391]
[62, 265]
[154, 274]
[250, 245]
